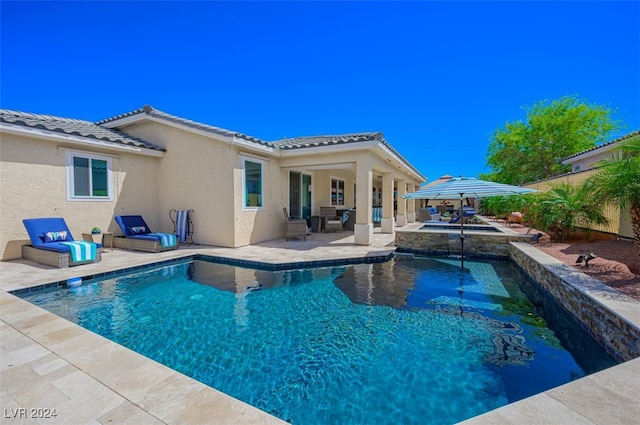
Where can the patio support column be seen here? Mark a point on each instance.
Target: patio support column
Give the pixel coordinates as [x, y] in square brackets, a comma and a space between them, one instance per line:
[401, 218]
[363, 229]
[387, 203]
[411, 205]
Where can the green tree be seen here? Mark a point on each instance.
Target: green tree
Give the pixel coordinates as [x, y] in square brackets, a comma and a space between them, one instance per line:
[523, 152]
[562, 209]
[618, 181]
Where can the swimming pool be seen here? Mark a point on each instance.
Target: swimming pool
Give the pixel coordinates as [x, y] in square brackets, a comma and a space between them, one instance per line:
[397, 342]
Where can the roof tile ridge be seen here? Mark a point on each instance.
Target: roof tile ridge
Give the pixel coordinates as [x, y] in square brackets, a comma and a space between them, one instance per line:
[157, 113]
[43, 117]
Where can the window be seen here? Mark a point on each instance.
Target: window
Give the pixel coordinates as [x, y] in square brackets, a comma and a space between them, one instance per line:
[252, 182]
[88, 177]
[337, 192]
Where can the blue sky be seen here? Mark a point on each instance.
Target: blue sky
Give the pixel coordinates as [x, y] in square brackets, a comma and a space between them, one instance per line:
[437, 78]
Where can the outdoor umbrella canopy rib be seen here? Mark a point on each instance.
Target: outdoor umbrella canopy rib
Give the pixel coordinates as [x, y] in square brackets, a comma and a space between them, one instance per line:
[466, 187]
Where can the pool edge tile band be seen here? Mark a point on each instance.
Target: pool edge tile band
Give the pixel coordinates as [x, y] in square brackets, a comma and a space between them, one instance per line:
[222, 260]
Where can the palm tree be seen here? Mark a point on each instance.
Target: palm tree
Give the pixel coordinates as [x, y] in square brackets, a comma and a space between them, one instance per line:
[618, 181]
[562, 209]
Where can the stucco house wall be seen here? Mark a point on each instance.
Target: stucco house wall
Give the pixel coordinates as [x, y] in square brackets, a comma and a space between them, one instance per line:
[253, 225]
[33, 183]
[205, 174]
[162, 162]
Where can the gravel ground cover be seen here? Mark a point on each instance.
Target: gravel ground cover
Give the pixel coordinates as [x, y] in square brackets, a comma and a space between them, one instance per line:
[617, 263]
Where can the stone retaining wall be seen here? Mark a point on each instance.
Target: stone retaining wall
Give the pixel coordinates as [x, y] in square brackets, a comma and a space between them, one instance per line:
[610, 317]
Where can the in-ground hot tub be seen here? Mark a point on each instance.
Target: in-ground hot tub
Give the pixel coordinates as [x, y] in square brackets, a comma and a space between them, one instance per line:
[480, 240]
[456, 227]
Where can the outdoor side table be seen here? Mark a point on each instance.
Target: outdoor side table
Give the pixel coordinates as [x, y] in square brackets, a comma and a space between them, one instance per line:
[104, 238]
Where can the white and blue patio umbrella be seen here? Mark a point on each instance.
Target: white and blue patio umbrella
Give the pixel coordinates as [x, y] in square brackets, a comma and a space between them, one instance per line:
[466, 187]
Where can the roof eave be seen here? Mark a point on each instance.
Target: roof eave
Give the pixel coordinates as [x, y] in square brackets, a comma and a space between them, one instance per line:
[588, 154]
[121, 123]
[384, 146]
[350, 147]
[77, 140]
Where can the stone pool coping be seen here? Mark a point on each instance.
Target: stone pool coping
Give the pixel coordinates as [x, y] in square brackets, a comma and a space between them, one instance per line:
[48, 362]
[608, 316]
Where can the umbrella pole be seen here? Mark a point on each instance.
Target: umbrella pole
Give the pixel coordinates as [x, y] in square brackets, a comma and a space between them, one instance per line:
[461, 234]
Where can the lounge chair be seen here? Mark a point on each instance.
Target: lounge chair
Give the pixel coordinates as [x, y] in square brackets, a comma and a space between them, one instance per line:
[52, 244]
[137, 236]
[467, 212]
[330, 219]
[296, 228]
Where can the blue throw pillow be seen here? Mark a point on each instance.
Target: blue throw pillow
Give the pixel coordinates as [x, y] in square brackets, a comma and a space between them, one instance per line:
[55, 236]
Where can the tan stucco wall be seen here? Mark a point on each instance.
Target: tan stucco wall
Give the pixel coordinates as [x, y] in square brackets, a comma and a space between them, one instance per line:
[205, 174]
[322, 188]
[194, 174]
[266, 223]
[33, 183]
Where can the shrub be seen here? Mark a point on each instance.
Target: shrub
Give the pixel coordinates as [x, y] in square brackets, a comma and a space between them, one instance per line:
[563, 209]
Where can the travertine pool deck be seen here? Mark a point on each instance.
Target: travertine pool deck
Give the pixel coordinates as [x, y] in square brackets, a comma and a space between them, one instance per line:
[49, 363]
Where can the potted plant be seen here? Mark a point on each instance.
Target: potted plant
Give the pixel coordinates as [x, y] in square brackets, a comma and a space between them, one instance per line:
[96, 231]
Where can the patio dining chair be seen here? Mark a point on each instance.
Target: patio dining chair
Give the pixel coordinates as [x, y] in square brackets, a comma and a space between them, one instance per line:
[332, 222]
[295, 228]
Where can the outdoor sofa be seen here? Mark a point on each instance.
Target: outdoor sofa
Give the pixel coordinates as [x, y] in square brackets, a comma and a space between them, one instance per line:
[429, 214]
[137, 236]
[52, 244]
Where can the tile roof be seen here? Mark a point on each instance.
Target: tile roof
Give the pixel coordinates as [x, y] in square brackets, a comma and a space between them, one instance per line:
[74, 127]
[611, 142]
[318, 141]
[285, 144]
[100, 131]
[155, 113]
[339, 139]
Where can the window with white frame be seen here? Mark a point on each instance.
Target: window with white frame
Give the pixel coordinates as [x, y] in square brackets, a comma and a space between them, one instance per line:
[88, 176]
[337, 192]
[252, 183]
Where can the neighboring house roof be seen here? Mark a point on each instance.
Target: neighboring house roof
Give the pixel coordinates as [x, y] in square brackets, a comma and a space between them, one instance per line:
[73, 127]
[604, 146]
[440, 180]
[150, 111]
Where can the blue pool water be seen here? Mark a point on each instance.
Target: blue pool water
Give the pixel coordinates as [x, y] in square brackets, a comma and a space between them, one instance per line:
[411, 340]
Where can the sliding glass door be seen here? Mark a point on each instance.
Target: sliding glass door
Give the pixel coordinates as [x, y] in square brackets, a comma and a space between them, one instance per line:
[299, 195]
